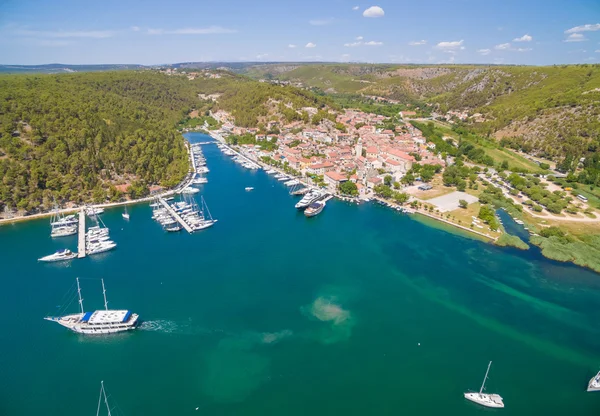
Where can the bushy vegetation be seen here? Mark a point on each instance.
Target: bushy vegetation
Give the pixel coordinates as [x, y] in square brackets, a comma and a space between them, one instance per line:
[508, 240]
[72, 137]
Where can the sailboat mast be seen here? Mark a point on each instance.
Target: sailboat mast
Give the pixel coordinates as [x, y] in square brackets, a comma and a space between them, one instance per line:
[485, 378]
[104, 293]
[100, 398]
[207, 210]
[105, 399]
[79, 295]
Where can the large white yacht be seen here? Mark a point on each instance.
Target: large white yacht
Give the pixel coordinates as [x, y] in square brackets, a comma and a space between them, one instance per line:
[98, 322]
[485, 399]
[60, 255]
[308, 199]
[594, 384]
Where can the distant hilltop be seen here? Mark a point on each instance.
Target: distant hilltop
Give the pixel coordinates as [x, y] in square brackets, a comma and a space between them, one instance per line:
[60, 68]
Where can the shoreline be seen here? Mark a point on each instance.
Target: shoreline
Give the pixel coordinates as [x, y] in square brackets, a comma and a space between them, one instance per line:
[186, 182]
[405, 209]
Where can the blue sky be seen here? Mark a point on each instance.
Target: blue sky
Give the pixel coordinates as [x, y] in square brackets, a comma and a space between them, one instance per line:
[532, 32]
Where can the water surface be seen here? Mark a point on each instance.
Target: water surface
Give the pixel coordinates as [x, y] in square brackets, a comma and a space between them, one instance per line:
[360, 310]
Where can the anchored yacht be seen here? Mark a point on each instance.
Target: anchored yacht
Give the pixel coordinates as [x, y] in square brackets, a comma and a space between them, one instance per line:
[99, 322]
[484, 399]
[60, 255]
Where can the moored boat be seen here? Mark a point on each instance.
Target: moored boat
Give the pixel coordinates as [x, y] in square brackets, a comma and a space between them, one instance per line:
[60, 255]
[314, 209]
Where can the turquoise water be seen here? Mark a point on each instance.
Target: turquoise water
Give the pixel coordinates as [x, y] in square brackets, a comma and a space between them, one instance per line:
[357, 311]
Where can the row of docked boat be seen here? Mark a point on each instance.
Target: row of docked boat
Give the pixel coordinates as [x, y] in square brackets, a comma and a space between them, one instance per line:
[200, 165]
[162, 215]
[226, 150]
[97, 239]
[63, 225]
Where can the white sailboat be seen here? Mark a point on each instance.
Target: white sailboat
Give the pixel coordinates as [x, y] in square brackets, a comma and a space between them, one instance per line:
[98, 322]
[125, 214]
[594, 384]
[485, 399]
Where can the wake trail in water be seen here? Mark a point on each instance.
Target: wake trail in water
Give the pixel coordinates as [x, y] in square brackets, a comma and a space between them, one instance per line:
[177, 328]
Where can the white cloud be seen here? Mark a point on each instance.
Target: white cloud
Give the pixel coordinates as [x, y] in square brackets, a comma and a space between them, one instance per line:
[374, 11]
[210, 30]
[262, 55]
[94, 34]
[597, 50]
[484, 51]
[355, 8]
[311, 45]
[55, 43]
[417, 42]
[320, 22]
[291, 46]
[361, 43]
[345, 57]
[584, 28]
[524, 38]
[502, 47]
[359, 38]
[451, 47]
[523, 49]
[575, 37]
[135, 28]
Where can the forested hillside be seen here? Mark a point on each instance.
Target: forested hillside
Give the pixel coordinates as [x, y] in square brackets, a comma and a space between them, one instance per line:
[73, 137]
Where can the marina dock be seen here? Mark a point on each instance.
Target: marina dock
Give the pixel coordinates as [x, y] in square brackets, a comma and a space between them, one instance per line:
[81, 235]
[176, 216]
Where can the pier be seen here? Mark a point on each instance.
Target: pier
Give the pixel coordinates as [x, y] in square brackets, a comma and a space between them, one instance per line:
[81, 235]
[176, 215]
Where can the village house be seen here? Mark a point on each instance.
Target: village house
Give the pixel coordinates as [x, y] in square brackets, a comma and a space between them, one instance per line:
[333, 179]
[320, 168]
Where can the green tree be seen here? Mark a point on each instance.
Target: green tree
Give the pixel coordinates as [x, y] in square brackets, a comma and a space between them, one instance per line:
[348, 188]
[462, 203]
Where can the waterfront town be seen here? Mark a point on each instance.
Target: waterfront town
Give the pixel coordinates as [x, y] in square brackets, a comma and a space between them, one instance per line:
[363, 154]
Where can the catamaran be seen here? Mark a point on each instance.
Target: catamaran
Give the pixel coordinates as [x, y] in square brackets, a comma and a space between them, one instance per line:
[105, 321]
[485, 399]
[594, 384]
[60, 255]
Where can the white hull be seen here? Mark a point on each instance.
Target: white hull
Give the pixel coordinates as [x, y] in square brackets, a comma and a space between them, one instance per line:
[63, 232]
[73, 322]
[594, 384]
[487, 400]
[52, 259]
